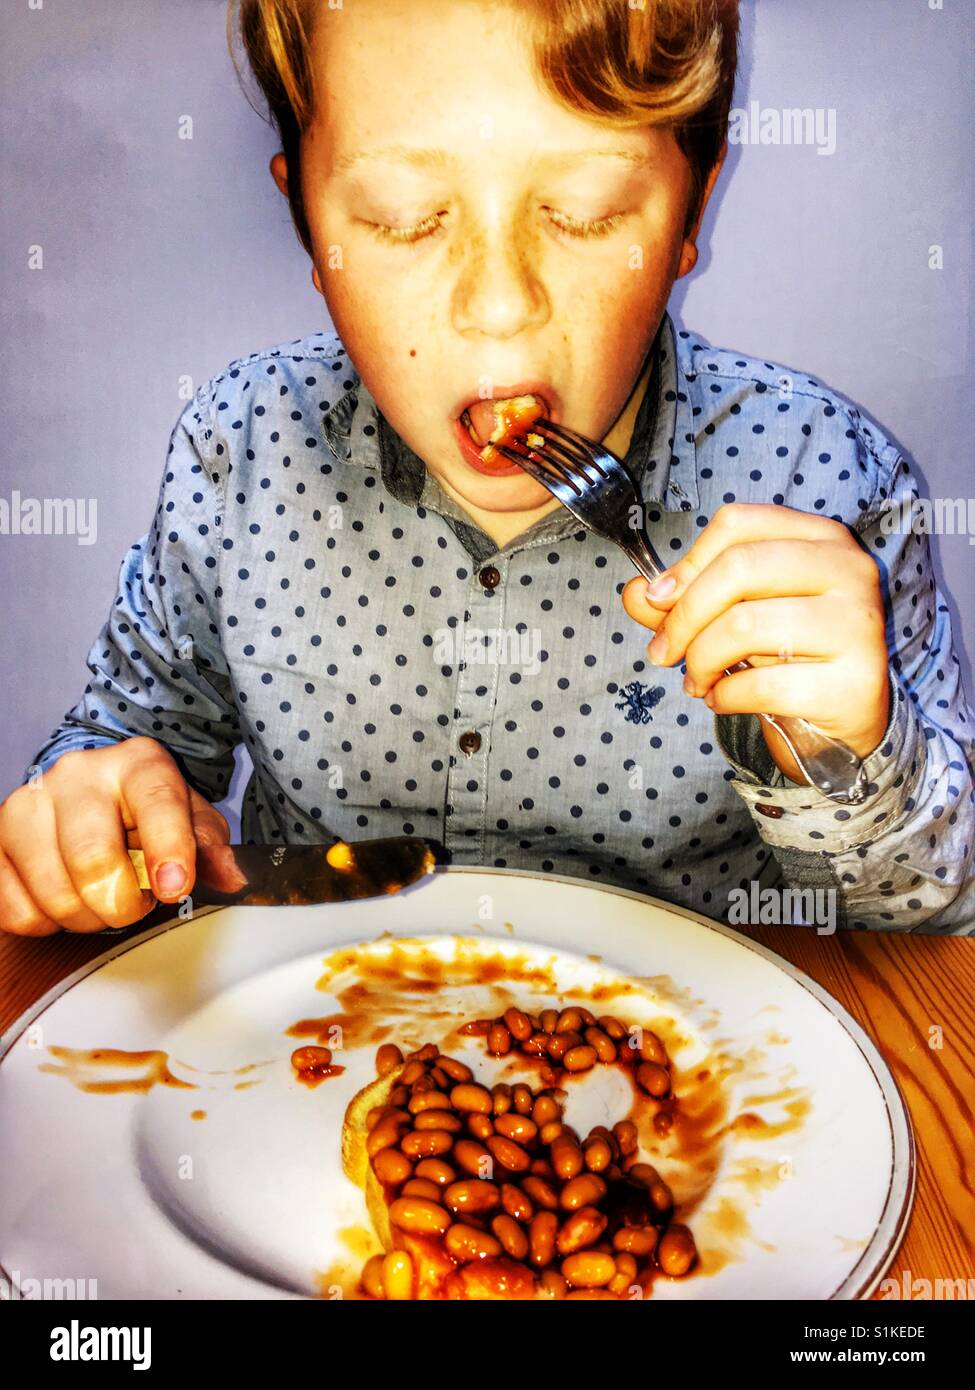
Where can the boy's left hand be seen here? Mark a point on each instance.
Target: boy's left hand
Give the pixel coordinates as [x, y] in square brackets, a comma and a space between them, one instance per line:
[795, 595]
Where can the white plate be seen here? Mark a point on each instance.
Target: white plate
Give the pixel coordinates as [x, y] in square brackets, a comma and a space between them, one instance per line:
[807, 1200]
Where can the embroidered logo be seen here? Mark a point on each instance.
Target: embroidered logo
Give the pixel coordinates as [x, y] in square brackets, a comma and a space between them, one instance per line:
[638, 700]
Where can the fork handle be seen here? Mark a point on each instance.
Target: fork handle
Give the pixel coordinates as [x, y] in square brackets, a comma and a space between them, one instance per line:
[826, 763]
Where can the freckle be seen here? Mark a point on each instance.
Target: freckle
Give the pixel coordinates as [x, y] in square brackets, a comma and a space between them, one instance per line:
[412, 352]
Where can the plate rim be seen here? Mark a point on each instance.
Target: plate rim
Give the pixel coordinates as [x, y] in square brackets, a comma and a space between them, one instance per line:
[857, 1285]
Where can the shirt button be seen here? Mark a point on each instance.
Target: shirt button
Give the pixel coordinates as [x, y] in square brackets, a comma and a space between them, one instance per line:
[490, 577]
[774, 812]
[470, 742]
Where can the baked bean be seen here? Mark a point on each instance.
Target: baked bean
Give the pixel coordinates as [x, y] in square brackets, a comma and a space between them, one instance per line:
[372, 1277]
[546, 1109]
[438, 1119]
[542, 1168]
[536, 1045]
[579, 1059]
[439, 1078]
[469, 1096]
[478, 1028]
[501, 1095]
[591, 1295]
[584, 1191]
[311, 1058]
[522, 1099]
[613, 1173]
[517, 1126]
[387, 1132]
[643, 1173]
[589, 1269]
[636, 1240]
[457, 1071]
[436, 1170]
[375, 1115]
[427, 1053]
[661, 1196]
[566, 1157]
[605, 1047]
[392, 1167]
[421, 1187]
[612, 1027]
[412, 1072]
[582, 1228]
[630, 1162]
[552, 1284]
[423, 1083]
[588, 1018]
[419, 1216]
[399, 1096]
[426, 1143]
[676, 1252]
[398, 1275]
[499, 1040]
[480, 1126]
[626, 1135]
[517, 1024]
[597, 1155]
[473, 1158]
[509, 1154]
[569, 1021]
[653, 1079]
[550, 1132]
[541, 1193]
[466, 1243]
[511, 1236]
[549, 1020]
[388, 1058]
[625, 1274]
[472, 1195]
[651, 1049]
[542, 1230]
[517, 1203]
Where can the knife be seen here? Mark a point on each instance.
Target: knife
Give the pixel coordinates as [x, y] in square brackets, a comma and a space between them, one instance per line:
[280, 875]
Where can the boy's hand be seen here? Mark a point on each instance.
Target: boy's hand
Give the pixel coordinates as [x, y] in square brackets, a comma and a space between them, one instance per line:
[795, 595]
[63, 839]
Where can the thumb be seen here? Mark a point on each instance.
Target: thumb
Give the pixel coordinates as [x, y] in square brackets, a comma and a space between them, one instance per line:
[209, 825]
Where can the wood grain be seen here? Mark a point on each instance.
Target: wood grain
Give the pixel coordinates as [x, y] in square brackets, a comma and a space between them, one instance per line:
[913, 995]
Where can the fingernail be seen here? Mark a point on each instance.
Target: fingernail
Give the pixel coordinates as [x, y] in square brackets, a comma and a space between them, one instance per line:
[709, 699]
[689, 687]
[662, 587]
[170, 877]
[657, 650]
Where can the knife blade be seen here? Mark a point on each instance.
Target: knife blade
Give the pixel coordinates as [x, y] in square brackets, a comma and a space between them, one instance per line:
[293, 875]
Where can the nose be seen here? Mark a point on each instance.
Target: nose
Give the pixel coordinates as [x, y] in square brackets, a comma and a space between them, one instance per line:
[498, 291]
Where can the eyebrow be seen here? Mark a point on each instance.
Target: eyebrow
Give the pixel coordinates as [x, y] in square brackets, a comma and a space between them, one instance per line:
[442, 159]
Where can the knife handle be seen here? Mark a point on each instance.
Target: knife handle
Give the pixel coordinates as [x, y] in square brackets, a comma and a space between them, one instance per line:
[139, 864]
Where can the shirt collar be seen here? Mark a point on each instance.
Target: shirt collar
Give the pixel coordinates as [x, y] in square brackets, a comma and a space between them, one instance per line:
[662, 455]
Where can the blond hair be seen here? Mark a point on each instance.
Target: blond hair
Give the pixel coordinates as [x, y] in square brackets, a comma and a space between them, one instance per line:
[626, 62]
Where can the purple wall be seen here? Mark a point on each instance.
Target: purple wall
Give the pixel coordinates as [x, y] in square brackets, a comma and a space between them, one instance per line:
[164, 258]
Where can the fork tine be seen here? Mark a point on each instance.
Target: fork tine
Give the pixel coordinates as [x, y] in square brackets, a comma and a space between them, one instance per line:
[571, 450]
[565, 489]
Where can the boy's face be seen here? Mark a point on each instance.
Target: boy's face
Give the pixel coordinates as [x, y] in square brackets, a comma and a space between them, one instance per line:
[488, 281]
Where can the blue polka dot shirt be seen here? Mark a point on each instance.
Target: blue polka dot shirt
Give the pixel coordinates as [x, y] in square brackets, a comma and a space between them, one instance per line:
[308, 590]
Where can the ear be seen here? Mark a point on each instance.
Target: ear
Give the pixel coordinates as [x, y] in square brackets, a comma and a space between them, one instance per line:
[688, 255]
[279, 172]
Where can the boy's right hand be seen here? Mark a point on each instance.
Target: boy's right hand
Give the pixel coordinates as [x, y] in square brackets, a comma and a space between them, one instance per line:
[63, 839]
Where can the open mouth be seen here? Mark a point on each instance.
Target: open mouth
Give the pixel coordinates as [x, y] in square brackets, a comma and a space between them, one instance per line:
[499, 421]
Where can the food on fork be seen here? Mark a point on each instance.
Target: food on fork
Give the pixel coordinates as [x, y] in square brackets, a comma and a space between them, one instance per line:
[483, 1192]
[513, 417]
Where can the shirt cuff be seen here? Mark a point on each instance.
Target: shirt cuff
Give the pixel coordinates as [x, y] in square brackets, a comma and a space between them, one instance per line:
[798, 817]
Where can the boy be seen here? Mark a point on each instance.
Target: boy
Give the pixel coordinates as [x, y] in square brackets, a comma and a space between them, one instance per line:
[497, 199]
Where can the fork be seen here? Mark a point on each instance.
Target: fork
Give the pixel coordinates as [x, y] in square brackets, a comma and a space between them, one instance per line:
[599, 490]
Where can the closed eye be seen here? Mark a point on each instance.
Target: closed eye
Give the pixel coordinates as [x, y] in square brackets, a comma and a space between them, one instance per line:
[429, 226]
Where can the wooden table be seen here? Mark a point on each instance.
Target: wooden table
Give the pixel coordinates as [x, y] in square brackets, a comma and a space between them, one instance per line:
[914, 996]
